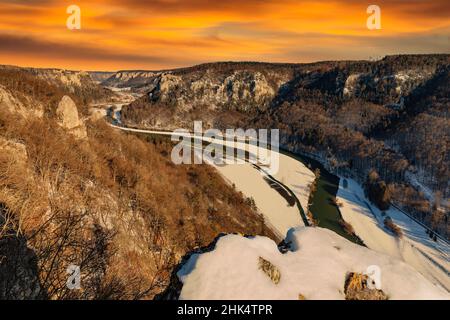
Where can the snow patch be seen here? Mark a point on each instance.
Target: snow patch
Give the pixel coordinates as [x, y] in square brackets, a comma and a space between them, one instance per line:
[430, 258]
[315, 269]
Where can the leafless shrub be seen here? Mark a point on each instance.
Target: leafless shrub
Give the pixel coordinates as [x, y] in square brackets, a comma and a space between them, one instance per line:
[348, 228]
[390, 225]
[111, 205]
[269, 269]
[311, 218]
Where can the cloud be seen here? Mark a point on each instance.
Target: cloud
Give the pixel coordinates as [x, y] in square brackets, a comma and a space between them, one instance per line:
[190, 6]
[435, 9]
[436, 41]
[169, 33]
[20, 45]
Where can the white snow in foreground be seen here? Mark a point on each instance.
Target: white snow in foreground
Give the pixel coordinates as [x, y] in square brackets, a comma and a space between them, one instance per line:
[415, 248]
[315, 268]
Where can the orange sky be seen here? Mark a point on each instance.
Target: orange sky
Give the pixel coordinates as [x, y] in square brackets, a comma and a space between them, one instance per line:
[138, 34]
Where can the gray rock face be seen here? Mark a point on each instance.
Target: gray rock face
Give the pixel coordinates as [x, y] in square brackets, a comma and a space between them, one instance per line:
[218, 94]
[241, 90]
[71, 80]
[400, 83]
[231, 94]
[138, 80]
[68, 118]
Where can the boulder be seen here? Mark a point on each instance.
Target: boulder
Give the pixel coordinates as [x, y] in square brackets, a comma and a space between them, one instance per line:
[67, 114]
[356, 288]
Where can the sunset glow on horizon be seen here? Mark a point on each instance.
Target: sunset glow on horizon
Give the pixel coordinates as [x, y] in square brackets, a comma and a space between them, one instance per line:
[133, 34]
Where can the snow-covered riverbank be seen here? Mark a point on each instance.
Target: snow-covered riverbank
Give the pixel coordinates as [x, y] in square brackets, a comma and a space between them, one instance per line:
[316, 268]
[416, 248]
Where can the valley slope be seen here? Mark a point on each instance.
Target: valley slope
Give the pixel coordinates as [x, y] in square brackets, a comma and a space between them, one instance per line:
[74, 191]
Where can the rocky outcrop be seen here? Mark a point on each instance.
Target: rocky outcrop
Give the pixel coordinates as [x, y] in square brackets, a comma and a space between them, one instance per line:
[137, 80]
[9, 102]
[124, 76]
[97, 114]
[397, 84]
[12, 104]
[217, 94]
[242, 90]
[270, 270]
[64, 78]
[67, 114]
[357, 288]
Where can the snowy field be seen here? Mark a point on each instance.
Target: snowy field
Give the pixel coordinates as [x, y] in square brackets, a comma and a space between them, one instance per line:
[416, 248]
[316, 268]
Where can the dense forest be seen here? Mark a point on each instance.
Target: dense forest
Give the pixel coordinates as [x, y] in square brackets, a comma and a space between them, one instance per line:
[394, 119]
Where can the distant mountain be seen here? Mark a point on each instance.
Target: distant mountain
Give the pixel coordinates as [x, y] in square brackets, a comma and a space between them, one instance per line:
[139, 81]
[254, 87]
[100, 76]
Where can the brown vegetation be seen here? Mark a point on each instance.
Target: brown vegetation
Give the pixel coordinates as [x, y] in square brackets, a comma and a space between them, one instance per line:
[389, 224]
[25, 83]
[377, 191]
[112, 204]
[270, 270]
[347, 227]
